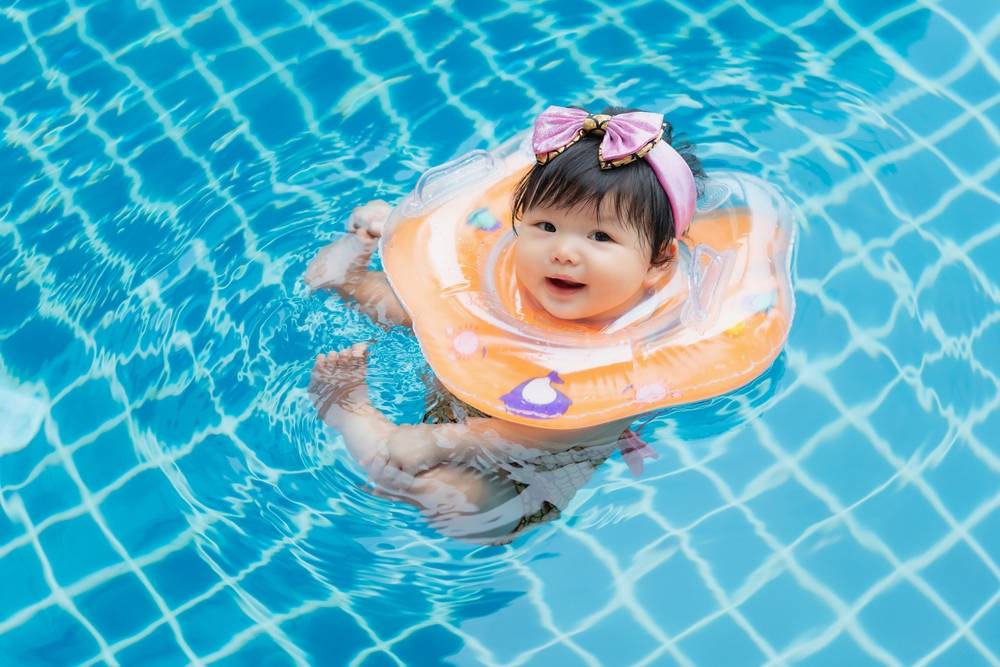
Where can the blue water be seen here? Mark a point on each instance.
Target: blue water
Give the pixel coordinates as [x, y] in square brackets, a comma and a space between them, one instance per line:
[169, 497]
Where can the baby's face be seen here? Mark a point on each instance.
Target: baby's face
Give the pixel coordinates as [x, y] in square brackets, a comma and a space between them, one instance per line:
[579, 267]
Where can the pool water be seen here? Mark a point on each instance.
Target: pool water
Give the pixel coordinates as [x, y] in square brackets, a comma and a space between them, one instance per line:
[169, 497]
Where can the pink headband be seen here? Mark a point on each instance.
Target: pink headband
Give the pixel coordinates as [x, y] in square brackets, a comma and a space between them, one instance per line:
[627, 137]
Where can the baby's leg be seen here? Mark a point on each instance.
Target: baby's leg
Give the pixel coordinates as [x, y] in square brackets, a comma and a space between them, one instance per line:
[466, 503]
[391, 454]
[342, 266]
[339, 391]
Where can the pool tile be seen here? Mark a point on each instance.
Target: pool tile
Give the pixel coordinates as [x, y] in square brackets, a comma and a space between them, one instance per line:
[736, 558]
[684, 497]
[115, 29]
[51, 637]
[632, 641]
[848, 465]
[609, 43]
[743, 460]
[326, 78]
[931, 45]
[961, 654]
[258, 18]
[903, 519]
[380, 659]
[983, 251]
[959, 389]
[167, 413]
[239, 67]
[351, 20]
[788, 509]
[675, 593]
[103, 606]
[841, 563]
[793, 419]
[724, 641]
[181, 576]
[568, 603]
[212, 34]
[45, 349]
[963, 480]
[49, 494]
[921, 431]
[951, 300]
[159, 649]
[200, 623]
[25, 581]
[76, 548]
[145, 513]
[312, 632]
[157, 63]
[86, 408]
[819, 330]
[784, 630]
[987, 628]
[907, 636]
[519, 617]
[275, 114]
[284, 583]
[973, 86]
[962, 578]
[433, 644]
[293, 44]
[557, 654]
[863, 376]
[841, 651]
[261, 650]
[924, 114]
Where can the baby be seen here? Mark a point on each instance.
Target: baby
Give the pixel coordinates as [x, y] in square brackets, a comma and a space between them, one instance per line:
[595, 231]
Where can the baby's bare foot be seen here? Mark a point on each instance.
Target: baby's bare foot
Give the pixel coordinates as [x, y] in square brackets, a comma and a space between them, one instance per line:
[368, 221]
[337, 386]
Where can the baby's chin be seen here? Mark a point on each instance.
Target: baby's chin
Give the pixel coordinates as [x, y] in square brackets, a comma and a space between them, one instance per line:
[580, 308]
[584, 312]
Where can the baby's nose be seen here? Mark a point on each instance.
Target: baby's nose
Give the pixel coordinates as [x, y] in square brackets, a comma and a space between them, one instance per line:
[565, 252]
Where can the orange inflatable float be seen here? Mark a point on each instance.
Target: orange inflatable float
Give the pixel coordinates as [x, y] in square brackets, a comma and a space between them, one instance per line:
[717, 320]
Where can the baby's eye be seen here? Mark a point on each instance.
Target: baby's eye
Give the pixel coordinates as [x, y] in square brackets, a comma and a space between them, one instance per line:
[546, 226]
[603, 237]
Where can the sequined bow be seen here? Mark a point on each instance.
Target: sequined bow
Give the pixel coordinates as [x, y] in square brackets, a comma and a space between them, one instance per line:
[627, 136]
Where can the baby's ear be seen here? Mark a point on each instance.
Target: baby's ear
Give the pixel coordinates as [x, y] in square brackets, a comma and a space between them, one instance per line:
[660, 265]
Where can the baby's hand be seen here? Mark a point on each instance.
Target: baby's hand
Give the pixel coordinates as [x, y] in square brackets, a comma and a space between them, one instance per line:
[368, 221]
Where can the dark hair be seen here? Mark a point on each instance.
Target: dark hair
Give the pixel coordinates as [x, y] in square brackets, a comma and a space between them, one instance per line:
[574, 178]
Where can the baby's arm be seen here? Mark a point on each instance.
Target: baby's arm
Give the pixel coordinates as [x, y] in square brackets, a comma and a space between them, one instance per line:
[342, 266]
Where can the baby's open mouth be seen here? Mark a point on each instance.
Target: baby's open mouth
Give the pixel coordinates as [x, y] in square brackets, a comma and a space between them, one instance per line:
[564, 283]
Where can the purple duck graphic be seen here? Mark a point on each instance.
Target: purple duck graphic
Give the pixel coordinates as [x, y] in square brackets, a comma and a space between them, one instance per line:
[537, 398]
